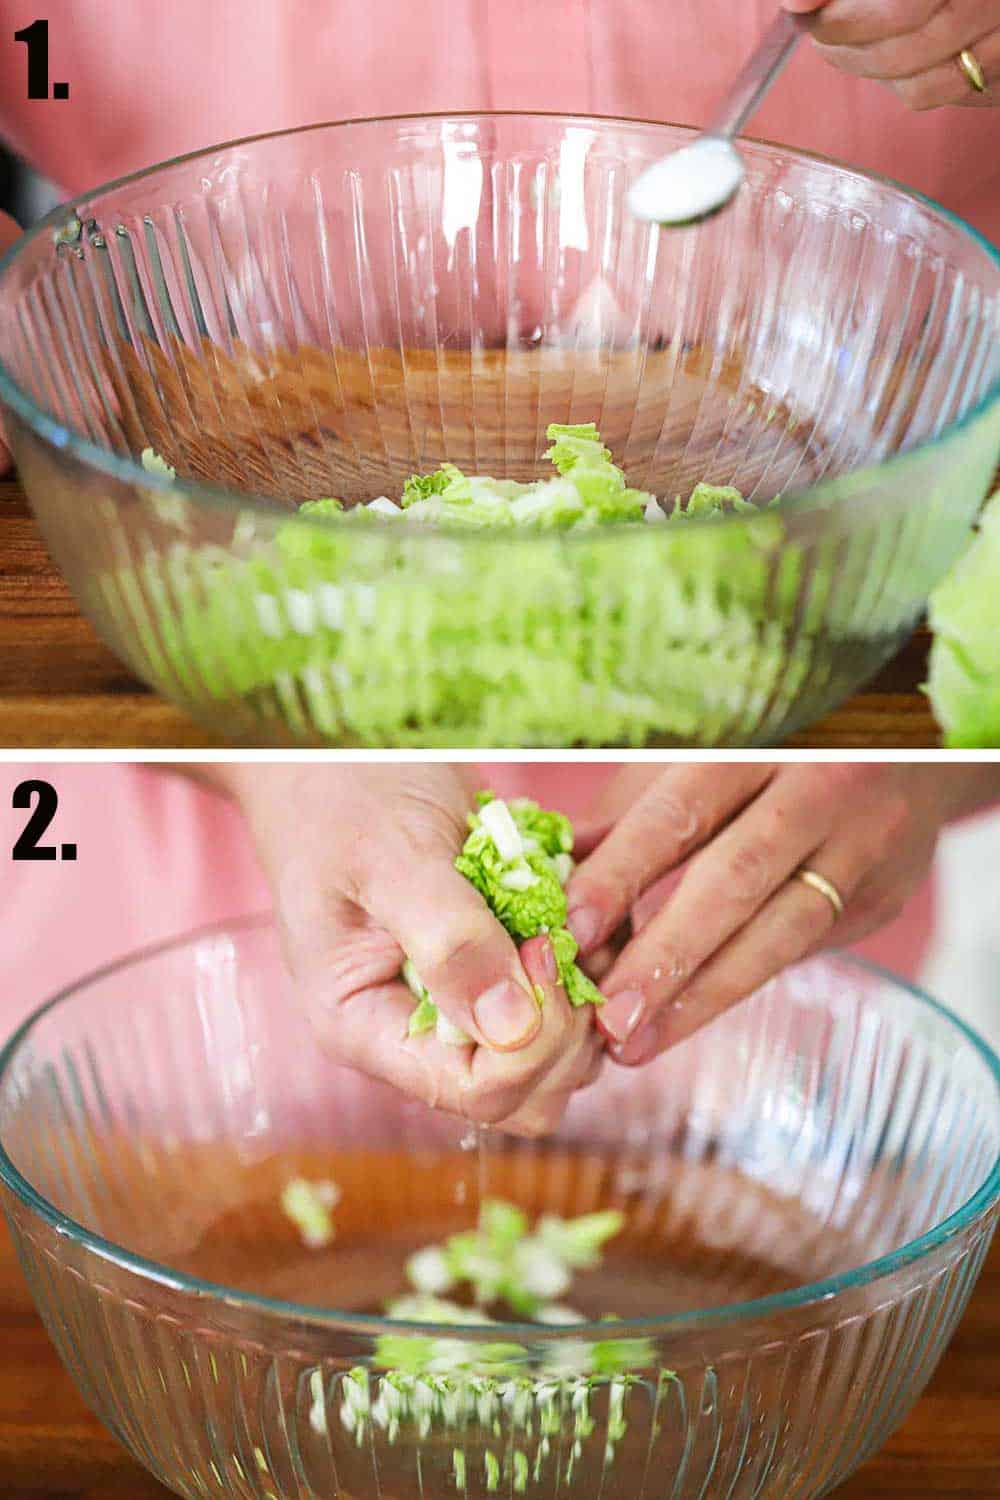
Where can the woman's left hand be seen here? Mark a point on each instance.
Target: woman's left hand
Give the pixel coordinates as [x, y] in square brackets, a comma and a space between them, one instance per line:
[912, 45]
[738, 914]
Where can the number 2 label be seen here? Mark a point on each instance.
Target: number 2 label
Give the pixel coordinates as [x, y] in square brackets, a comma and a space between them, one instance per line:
[46, 803]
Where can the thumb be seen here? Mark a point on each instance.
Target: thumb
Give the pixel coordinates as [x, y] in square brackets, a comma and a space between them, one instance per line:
[9, 232]
[469, 964]
[383, 844]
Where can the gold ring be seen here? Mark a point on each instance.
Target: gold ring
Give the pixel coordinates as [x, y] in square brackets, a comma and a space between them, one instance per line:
[826, 888]
[973, 70]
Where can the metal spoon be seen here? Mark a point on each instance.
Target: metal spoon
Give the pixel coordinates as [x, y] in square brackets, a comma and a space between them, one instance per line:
[695, 182]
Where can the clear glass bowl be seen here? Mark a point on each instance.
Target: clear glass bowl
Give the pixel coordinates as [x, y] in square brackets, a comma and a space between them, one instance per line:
[809, 1187]
[330, 310]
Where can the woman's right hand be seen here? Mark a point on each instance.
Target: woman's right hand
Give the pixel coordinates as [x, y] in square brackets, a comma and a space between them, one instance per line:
[914, 46]
[360, 862]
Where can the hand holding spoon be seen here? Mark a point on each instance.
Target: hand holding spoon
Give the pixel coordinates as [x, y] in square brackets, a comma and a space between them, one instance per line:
[695, 182]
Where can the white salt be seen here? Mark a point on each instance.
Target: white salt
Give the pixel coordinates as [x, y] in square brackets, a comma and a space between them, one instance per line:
[689, 183]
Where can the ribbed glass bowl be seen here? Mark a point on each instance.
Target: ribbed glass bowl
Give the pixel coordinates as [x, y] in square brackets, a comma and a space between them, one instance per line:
[327, 311]
[809, 1189]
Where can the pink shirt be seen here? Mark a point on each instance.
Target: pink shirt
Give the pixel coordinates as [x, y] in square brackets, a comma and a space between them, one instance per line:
[149, 81]
[157, 856]
[146, 82]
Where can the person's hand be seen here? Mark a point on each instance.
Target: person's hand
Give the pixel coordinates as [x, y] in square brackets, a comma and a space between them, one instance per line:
[360, 863]
[912, 45]
[9, 232]
[737, 915]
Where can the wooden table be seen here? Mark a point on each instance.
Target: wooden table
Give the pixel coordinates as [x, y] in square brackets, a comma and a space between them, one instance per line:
[50, 1445]
[61, 688]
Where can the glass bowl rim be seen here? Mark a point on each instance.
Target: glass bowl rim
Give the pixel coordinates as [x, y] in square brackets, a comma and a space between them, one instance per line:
[978, 1204]
[229, 501]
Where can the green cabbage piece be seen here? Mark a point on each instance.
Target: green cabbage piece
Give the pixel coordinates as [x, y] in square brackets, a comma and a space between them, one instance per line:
[553, 831]
[525, 892]
[321, 508]
[347, 632]
[441, 1382]
[713, 500]
[588, 490]
[964, 677]
[579, 1241]
[580, 989]
[424, 1016]
[155, 463]
[423, 486]
[351, 628]
[503, 1261]
[572, 445]
[540, 907]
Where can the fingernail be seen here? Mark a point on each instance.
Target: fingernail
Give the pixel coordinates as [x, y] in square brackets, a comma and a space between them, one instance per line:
[640, 1048]
[547, 957]
[585, 924]
[507, 1015]
[620, 1014]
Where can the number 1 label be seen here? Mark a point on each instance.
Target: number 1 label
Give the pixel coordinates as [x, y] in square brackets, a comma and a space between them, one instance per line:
[36, 39]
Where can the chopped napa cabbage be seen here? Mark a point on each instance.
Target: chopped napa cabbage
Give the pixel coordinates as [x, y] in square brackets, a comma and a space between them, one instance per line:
[430, 1272]
[352, 628]
[310, 1206]
[425, 1015]
[440, 1380]
[170, 509]
[713, 500]
[517, 855]
[578, 1242]
[525, 910]
[964, 678]
[424, 1307]
[588, 489]
[423, 486]
[321, 508]
[503, 1261]
[317, 1409]
[575, 444]
[155, 463]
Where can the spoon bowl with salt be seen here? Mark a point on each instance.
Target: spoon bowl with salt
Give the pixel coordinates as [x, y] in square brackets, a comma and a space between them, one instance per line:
[692, 184]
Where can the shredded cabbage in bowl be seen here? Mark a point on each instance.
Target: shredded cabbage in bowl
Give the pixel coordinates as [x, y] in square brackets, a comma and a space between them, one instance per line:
[518, 857]
[615, 622]
[573, 610]
[964, 682]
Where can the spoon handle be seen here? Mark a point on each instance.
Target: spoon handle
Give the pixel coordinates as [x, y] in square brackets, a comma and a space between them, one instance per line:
[761, 69]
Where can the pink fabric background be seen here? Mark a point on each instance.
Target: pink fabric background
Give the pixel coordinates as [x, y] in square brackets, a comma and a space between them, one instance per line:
[159, 856]
[151, 80]
[147, 81]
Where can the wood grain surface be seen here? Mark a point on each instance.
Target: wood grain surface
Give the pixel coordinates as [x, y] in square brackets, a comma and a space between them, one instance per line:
[61, 688]
[51, 1446]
